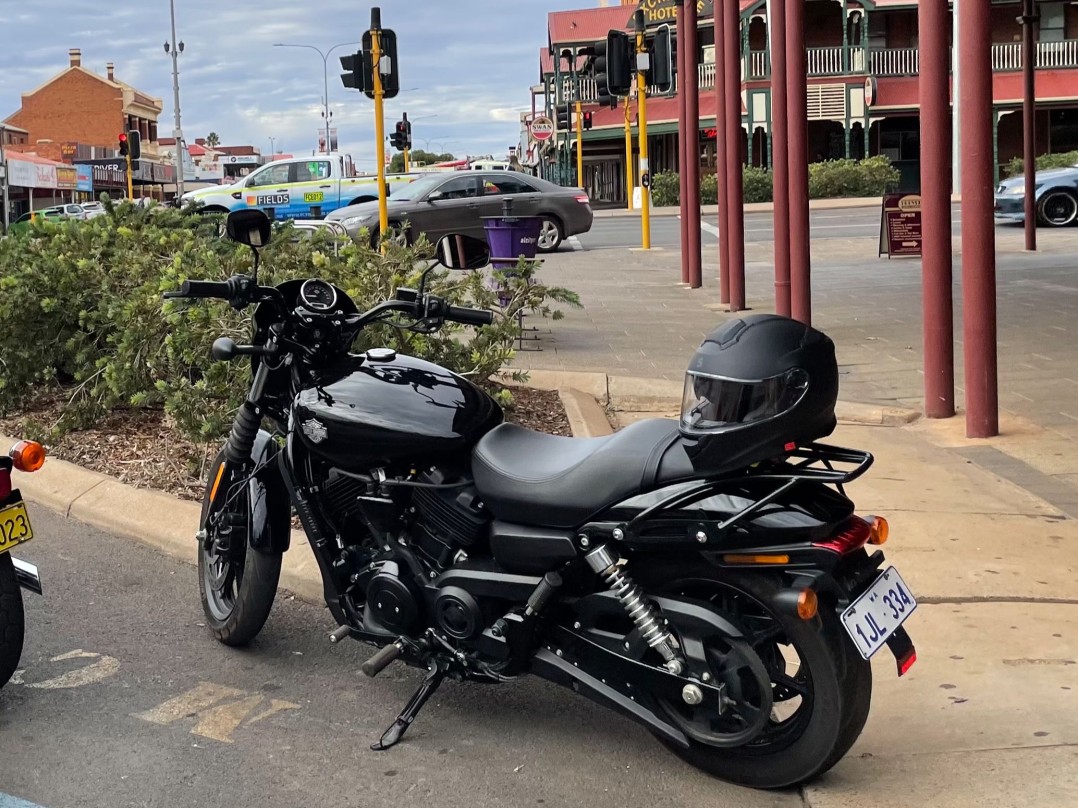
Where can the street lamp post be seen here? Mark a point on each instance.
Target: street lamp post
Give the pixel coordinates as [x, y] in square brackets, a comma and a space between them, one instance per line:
[177, 133]
[271, 140]
[326, 112]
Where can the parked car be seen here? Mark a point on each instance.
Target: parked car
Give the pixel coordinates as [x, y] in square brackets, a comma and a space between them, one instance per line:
[457, 202]
[93, 209]
[23, 222]
[1056, 197]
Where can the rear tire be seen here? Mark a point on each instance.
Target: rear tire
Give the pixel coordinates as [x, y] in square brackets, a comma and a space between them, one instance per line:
[237, 591]
[12, 620]
[551, 235]
[796, 749]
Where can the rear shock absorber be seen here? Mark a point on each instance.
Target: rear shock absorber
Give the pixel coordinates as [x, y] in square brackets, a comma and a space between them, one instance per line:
[644, 614]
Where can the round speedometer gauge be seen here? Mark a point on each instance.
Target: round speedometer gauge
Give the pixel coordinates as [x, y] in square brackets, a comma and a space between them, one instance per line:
[317, 295]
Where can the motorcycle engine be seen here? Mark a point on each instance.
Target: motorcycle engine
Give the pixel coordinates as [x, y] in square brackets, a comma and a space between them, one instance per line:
[447, 520]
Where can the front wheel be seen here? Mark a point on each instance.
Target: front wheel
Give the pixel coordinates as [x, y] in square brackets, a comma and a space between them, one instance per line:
[237, 583]
[815, 712]
[12, 620]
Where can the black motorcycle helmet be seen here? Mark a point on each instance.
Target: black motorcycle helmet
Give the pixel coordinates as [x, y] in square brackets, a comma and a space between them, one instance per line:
[754, 386]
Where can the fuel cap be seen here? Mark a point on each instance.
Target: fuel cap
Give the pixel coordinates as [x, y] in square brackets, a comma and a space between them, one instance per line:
[381, 354]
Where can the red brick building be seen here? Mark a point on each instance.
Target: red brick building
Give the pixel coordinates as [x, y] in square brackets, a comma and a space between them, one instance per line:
[849, 43]
[80, 106]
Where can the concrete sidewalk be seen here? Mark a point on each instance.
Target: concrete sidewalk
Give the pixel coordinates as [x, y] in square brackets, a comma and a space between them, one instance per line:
[750, 207]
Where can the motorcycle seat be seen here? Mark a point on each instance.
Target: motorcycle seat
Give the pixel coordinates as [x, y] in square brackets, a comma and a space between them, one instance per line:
[529, 477]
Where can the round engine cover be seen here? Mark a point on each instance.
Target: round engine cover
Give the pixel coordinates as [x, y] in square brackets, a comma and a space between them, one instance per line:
[458, 614]
[391, 603]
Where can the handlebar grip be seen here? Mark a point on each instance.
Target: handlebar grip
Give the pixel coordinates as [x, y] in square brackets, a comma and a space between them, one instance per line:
[219, 289]
[466, 316]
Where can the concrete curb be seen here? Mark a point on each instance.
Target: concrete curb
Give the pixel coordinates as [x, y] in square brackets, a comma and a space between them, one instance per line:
[751, 207]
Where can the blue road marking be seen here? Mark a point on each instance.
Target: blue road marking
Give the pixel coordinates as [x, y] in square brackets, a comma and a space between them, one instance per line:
[7, 801]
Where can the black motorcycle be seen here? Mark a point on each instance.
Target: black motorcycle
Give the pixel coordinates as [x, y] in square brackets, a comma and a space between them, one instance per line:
[15, 529]
[706, 577]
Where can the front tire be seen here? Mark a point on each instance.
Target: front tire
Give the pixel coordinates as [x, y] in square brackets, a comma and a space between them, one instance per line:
[1058, 208]
[12, 620]
[236, 587]
[814, 718]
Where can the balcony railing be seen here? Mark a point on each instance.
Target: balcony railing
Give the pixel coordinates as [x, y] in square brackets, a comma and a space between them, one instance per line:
[824, 61]
[758, 67]
[1059, 53]
[894, 61]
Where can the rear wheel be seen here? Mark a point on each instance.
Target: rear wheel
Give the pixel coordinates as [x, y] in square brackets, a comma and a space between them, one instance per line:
[550, 235]
[1059, 208]
[12, 620]
[813, 717]
[237, 583]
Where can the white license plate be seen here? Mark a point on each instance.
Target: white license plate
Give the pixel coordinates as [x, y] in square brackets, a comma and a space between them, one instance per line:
[875, 616]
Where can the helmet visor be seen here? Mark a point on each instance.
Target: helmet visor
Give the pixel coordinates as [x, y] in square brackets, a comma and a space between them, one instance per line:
[713, 402]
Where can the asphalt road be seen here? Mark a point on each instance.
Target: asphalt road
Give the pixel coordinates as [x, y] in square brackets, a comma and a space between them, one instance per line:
[126, 700]
[624, 231]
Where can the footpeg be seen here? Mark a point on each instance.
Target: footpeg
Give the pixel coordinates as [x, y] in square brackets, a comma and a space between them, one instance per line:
[339, 634]
[431, 682]
[382, 659]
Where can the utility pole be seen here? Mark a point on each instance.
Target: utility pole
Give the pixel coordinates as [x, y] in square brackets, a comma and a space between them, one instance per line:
[642, 117]
[379, 121]
[5, 181]
[177, 132]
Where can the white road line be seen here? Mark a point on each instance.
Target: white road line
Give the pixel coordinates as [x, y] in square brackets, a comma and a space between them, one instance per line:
[710, 228]
[574, 242]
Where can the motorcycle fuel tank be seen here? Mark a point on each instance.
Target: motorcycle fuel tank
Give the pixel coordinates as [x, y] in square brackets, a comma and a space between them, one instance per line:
[362, 412]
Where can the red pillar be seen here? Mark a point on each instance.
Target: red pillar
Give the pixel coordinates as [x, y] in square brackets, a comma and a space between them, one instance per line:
[937, 311]
[691, 174]
[978, 229]
[1029, 125]
[682, 138]
[797, 121]
[720, 157]
[735, 190]
[780, 158]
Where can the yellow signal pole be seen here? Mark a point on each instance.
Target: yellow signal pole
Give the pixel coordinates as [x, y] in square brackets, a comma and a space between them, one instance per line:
[642, 114]
[379, 133]
[406, 161]
[130, 184]
[579, 145]
[628, 157]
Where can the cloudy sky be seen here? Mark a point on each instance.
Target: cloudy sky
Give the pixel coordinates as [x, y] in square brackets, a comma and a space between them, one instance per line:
[466, 65]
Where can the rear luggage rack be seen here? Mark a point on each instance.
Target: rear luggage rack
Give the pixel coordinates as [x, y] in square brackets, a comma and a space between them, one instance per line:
[808, 468]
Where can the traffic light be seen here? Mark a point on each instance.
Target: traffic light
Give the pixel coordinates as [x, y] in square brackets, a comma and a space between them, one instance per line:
[407, 124]
[399, 139]
[565, 119]
[587, 120]
[123, 145]
[612, 67]
[134, 143]
[357, 75]
[660, 73]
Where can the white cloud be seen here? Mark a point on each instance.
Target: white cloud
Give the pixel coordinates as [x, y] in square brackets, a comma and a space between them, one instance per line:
[465, 65]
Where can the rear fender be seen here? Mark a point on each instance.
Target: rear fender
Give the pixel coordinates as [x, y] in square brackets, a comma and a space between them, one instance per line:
[270, 503]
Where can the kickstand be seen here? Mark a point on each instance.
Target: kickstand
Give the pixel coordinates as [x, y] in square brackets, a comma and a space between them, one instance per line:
[426, 689]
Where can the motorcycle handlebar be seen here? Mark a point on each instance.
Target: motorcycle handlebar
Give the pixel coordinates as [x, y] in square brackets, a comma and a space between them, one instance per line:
[208, 289]
[466, 316]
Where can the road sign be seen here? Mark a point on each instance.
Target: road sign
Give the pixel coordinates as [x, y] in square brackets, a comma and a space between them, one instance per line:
[542, 128]
[900, 225]
[870, 91]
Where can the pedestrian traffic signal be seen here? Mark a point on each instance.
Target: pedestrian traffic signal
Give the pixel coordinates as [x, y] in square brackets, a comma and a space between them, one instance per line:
[587, 120]
[123, 145]
[612, 67]
[660, 73]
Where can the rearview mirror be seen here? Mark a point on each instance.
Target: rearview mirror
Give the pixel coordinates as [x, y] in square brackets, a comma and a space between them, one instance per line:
[457, 251]
[251, 227]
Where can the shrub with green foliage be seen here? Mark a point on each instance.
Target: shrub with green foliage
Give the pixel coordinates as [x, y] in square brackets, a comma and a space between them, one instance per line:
[1016, 165]
[81, 310]
[873, 176]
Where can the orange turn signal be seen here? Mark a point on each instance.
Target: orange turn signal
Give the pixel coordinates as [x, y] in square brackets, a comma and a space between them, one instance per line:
[27, 455]
[807, 604]
[878, 530]
[756, 559]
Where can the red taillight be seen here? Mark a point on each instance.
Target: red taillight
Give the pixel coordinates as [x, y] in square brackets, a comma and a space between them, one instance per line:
[583, 199]
[5, 484]
[853, 534]
[905, 664]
